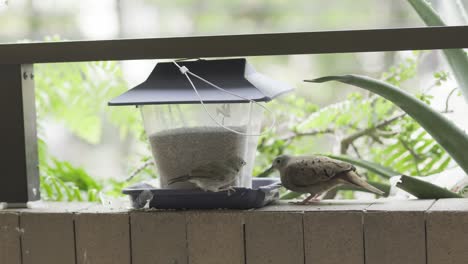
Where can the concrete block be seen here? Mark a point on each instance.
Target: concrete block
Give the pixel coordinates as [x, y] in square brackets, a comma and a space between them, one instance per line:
[10, 247]
[158, 237]
[274, 237]
[447, 232]
[102, 237]
[333, 237]
[47, 237]
[395, 232]
[215, 237]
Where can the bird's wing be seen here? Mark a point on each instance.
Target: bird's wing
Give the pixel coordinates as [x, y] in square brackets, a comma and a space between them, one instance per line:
[215, 170]
[305, 171]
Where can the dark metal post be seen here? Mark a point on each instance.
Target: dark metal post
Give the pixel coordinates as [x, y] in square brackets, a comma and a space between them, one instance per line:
[19, 176]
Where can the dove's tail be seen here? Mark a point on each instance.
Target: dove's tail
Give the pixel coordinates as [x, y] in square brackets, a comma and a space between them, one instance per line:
[353, 178]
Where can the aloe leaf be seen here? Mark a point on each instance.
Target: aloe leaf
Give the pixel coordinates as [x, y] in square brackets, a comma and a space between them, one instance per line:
[370, 166]
[457, 58]
[447, 134]
[424, 190]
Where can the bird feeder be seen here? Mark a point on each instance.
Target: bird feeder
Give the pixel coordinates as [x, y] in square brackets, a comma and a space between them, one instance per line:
[186, 130]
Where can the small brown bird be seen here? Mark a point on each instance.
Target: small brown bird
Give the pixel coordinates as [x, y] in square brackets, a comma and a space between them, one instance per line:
[317, 174]
[215, 175]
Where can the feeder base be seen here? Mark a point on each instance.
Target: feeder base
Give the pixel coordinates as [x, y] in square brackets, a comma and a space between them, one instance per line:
[263, 192]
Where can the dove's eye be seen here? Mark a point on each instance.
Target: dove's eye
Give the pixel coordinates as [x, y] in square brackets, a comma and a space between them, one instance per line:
[278, 161]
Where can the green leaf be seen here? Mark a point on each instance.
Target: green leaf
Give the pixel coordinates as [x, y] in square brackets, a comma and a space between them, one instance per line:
[370, 166]
[424, 190]
[69, 173]
[45, 184]
[56, 187]
[427, 13]
[66, 189]
[457, 58]
[93, 195]
[76, 194]
[447, 134]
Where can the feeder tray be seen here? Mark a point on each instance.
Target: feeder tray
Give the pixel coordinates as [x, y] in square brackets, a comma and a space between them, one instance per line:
[263, 192]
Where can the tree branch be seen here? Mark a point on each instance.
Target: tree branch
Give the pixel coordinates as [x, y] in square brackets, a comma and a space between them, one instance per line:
[309, 133]
[415, 156]
[139, 169]
[346, 142]
[448, 99]
[356, 150]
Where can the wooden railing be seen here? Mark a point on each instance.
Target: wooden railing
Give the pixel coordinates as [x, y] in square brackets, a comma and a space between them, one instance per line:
[380, 232]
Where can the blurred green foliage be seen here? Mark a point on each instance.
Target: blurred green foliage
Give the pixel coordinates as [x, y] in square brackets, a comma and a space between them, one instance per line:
[363, 126]
[75, 94]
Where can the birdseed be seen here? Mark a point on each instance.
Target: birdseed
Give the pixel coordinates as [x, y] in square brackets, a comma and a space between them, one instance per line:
[178, 151]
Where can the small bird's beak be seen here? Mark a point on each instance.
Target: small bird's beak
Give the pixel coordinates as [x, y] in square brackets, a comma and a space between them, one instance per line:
[266, 172]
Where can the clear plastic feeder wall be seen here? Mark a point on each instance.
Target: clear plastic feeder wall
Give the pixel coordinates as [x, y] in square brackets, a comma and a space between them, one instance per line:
[183, 137]
[181, 132]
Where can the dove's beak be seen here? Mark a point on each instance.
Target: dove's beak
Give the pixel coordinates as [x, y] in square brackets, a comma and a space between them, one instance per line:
[266, 172]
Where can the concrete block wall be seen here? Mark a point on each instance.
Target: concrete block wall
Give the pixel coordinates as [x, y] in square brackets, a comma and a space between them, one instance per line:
[416, 231]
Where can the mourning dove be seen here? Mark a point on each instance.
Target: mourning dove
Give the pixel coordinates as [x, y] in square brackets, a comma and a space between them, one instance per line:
[214, 176]
[317, 174]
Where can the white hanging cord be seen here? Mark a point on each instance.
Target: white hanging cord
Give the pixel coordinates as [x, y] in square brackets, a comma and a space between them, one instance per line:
[185, 71]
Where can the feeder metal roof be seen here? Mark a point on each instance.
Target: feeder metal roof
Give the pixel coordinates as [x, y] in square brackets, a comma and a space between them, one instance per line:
[167, 85]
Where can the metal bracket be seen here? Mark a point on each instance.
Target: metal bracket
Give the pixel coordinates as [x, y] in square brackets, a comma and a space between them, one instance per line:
[18, 151]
